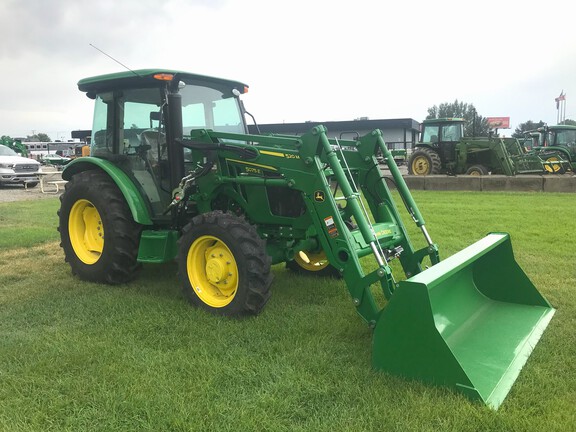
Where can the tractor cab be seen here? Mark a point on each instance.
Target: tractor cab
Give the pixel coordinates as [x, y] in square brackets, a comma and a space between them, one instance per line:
[139, 115]
[531, 140]
[442, 135]
[436, 131]
[561, 135]
[436, 148]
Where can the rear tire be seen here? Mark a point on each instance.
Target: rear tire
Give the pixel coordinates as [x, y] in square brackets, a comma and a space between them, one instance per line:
[424, 161]
[223, 265]
[313, 264]
[98, 234]
[477, 170]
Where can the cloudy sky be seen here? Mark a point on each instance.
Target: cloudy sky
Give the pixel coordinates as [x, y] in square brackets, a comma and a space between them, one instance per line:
[304, 60]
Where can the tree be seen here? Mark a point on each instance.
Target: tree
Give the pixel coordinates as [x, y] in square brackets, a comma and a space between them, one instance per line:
[525, 127]
[569, 122]
[476, 125]
[41, 137]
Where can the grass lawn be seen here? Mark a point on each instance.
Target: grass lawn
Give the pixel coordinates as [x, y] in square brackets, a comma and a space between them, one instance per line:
[77, 356]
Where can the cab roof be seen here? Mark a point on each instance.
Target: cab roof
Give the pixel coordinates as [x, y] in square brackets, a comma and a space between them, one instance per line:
[151, 78]
[444, 120]
[562, 127]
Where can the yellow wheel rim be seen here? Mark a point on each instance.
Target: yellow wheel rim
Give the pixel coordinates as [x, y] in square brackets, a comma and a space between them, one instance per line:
[86, 231]
[312, 261]
[475, 173]
[420, 165]
[555, 167]
[212, 271]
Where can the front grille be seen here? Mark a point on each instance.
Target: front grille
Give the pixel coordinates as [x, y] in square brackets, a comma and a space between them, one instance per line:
[25, 168]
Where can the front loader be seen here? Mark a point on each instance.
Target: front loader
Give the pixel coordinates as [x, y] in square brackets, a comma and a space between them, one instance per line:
[173, 175]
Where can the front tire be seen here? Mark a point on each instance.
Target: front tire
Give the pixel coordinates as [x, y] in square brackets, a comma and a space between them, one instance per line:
[98, 234]
[477, 170]
[223, 265]
[424, 161]
[554, 165]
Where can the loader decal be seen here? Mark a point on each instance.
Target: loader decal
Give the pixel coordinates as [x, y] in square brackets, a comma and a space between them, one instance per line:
[250, 170]
[271, 153]
[251, 164]
[332, 230]
[278, 154]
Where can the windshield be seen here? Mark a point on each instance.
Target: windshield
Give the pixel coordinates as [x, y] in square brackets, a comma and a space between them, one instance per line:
[209, 108]
[452, 132]
[6, 151]
[565, 137]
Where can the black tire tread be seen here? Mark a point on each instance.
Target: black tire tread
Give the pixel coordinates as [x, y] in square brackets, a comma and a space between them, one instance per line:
[433, 157]
[257, 264]
[477, 168]
[118, 263]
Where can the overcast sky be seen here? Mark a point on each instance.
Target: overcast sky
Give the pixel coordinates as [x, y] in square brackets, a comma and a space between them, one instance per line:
[319, 60]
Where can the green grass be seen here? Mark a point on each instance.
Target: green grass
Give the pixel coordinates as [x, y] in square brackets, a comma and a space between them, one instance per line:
[76, 356]
[25, 223]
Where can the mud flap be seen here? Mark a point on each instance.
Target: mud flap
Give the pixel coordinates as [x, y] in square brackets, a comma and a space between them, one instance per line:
[469, 322]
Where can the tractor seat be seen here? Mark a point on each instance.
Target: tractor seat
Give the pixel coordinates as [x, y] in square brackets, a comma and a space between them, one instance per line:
[156, 142]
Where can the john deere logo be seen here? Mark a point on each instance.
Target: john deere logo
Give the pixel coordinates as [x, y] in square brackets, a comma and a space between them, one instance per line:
[319, 196]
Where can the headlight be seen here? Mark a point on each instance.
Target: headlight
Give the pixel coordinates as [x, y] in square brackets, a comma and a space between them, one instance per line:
[6, 165]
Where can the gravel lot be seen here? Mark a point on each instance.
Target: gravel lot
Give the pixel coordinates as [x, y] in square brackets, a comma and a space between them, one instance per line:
[10, 193]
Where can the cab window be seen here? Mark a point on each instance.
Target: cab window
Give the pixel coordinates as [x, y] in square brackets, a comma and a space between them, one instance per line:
[209, 108]
[431, 134]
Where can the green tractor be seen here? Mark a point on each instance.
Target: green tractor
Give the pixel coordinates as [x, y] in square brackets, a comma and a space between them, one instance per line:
[557, 147]
[173, 175]
[443, 149]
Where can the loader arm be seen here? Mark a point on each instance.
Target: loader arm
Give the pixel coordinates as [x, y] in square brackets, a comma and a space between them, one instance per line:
[443, 324]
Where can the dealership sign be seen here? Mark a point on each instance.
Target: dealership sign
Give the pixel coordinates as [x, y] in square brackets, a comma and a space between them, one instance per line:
[498, 122]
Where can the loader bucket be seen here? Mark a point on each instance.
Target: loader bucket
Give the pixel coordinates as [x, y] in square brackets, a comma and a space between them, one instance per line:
[469, 322]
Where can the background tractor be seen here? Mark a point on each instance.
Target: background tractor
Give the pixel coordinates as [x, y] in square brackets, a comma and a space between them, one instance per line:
[443, 149]
[557, 146]
[173, 175]
[15, 145]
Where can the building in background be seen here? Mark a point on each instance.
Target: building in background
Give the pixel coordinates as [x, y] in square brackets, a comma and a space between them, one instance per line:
[399, 134]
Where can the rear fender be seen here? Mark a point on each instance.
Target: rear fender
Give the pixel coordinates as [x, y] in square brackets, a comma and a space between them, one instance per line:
[133, 197]
[425, 145]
